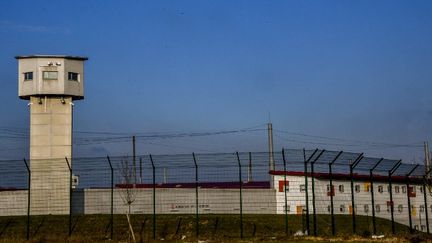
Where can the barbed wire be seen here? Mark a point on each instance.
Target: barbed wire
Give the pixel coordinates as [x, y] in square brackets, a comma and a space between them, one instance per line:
[88, 138]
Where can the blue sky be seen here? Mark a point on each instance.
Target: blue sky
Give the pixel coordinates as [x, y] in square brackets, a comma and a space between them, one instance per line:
[358, 71]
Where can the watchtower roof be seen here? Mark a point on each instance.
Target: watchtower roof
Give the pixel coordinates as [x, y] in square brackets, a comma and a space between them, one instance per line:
[80, 58]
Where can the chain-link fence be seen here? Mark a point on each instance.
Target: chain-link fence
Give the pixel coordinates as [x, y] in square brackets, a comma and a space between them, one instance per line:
[309, 192]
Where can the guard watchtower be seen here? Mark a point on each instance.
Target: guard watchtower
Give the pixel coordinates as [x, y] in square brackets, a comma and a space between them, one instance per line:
[51, 83]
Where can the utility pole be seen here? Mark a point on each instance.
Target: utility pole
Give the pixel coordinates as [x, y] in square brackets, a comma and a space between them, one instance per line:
[133, 160]
[271, 154]
[250, 168]
[270, 144]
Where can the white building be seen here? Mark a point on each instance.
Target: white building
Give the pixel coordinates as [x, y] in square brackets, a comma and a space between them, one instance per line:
[295, 187]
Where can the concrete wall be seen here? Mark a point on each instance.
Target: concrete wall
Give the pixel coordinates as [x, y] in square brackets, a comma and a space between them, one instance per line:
[74, 88]
[168, 201]
[13, 203]
[180, 201]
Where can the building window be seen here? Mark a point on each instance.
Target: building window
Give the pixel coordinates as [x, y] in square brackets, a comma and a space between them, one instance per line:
[342, 208]
[330, 191]
[288, 208]
[73, 76]
[28, 76]
[397, 189]
[380, 189]
[423, 227]
[413, 208]
[287, 188]
[367, 188]
[357, 188]
[400, 208]
[421, 189]
[341, 188]
[422, 208]
[377, 208]
[388, 208]
[366, 208]
[302, 188]
[328, 208]
[50, 75]
[403, 189]
[416, 227]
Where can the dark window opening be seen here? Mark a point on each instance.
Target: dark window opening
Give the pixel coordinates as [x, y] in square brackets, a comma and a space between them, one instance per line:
[28, 76]
[73, 76]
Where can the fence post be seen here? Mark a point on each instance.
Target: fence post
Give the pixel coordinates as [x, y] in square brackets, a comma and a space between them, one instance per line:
[313, 191]
[28, 199]
[390, 173]
[408, 197]
[425, 199]
[352, 166]
[196, 196]
[332, 192]
[425, 205]
[112, 199]
[285, 193]
[154, 197]
[70, 196]
[241, 196]
[372, 194]
[306, 161]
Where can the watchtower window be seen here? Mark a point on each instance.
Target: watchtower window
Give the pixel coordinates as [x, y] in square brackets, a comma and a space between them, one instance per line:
[50, 75]
[73, 76]
[28, 76]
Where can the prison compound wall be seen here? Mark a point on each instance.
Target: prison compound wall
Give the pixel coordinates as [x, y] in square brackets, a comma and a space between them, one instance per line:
[168, 200]
[254, 201]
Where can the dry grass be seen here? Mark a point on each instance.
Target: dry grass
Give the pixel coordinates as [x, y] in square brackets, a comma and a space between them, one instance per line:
[181, 228]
